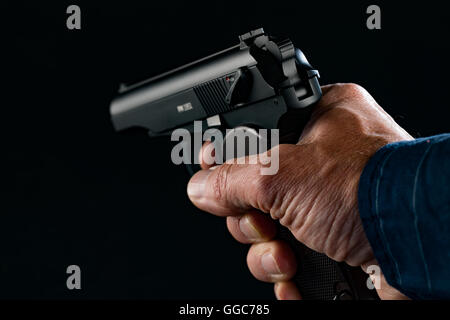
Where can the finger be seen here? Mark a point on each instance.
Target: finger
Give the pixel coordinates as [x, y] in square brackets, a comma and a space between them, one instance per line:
[207, 155]
[232, 189]
[227, 190]
[271, 261]
[251, 227]
[287, 290]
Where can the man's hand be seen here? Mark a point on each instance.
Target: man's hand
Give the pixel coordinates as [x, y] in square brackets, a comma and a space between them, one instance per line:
[314, 193]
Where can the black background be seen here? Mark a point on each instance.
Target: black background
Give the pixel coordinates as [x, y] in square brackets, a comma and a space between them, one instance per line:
[75, 192]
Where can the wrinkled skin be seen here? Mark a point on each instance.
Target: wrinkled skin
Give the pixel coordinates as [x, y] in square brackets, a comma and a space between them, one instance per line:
[314, 193]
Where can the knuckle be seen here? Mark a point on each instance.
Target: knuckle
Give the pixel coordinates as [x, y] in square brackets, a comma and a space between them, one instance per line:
[265, 191]
[346, 90]
[342, 94]
[220, 181]
[353, 90]
[270, 189]
[285, 149]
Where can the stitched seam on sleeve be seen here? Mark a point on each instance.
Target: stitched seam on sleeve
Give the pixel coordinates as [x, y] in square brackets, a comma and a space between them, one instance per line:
[380, 221]
[416, 219]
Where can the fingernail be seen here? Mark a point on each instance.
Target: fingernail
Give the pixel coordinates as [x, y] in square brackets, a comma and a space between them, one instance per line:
[248, 229]
[196, 186]
[269, 264]
[275, 287]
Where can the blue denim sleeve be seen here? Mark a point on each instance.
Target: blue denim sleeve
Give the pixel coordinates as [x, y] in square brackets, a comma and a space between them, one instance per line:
[404, 204]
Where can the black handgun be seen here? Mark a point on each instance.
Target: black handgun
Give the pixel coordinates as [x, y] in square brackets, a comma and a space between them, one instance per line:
[263, 82]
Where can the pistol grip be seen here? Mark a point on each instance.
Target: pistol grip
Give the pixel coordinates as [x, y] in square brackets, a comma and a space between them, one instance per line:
[321, 278]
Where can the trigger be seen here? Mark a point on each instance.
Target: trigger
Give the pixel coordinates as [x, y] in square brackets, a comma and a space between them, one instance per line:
[240, 89]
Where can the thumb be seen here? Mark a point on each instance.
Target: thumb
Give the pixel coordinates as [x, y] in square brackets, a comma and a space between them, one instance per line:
[231, 189]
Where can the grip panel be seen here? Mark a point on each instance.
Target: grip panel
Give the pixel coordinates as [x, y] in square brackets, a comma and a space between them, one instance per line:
[321, 278]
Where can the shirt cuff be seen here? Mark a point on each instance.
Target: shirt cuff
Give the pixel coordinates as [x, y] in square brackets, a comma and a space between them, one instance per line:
[386, 200]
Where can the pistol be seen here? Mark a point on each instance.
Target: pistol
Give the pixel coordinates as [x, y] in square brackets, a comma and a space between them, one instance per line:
[263, 82]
